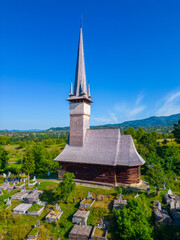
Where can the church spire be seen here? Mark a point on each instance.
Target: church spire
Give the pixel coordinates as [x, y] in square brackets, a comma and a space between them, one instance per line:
[89, 95]
[80, 77]
[71, 93]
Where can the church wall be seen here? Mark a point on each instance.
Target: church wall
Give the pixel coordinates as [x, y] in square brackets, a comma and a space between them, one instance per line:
[102, 173]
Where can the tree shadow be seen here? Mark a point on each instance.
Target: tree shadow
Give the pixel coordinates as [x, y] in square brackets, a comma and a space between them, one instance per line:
[48, 196]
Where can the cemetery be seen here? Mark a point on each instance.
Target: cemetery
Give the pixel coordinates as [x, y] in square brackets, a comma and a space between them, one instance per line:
[80, 214]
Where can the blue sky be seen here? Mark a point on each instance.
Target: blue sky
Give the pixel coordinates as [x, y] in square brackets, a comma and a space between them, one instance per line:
[132, 59]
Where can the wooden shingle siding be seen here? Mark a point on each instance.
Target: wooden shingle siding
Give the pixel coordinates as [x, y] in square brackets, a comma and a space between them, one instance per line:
[103, 173]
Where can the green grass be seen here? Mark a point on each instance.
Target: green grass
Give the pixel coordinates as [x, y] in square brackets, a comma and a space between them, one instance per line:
[34, 231]
[88, 201]
[35, 208]
[19, 226]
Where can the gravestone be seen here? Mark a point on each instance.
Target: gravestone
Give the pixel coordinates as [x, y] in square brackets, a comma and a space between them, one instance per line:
[170, 192]
[89, 196]
[178, 205]
[23, 189]
[34, 178]
[8, 191]
[4, 175]
[74, 200]
[102, 198]
[175, 178]
[0, 191]
[49, 173]
[120, 197]
[8, 202]
[38, 223]
[20, 180]
[172, 204]
[36, 188]
[159, 206]
[137, 195]
[58, 207]
[164, 186]
[101, 223]
[9, 174]
[148, 190]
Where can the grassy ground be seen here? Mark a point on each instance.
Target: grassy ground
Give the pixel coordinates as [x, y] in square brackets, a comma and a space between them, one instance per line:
[18, 226]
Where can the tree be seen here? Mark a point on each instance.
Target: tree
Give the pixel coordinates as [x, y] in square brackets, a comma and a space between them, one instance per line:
[40, 158]
[156, 176]
[66, 187]
[176, 131]
[130, 131]
[133, 221]
[3, 158]
[28, 166]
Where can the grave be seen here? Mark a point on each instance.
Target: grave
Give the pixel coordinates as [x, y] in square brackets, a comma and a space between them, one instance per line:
[119, 203]
[33, 235]
[87, 202]
[19, 185]
[32, 182]
[35, 210]
[33, 196]
[162, 216]
[54, 215]
[8, 202]
[22, 208]
[171, 199]
[80, 232]
[80, 217]
[1, 192]
[99, 234]
[175, 213]
[20, 195]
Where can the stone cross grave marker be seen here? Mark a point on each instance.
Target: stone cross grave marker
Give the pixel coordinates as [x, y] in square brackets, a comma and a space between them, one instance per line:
[34, 178]
[172, 204]
[148, 190]
[89, 196]
[58, 207]
[159, 206]
[120, 197]
[137, 195]
[8, 202]
[101, 223]
[4, 175]
[38, 223]
[170, 192]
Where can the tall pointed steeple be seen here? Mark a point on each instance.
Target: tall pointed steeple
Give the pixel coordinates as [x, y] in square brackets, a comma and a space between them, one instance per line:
[80, 77]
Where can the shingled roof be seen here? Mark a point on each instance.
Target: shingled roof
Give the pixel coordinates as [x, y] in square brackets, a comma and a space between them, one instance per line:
[103, 146]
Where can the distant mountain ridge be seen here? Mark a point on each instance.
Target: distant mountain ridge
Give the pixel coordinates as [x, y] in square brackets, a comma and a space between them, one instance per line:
[163, 121]
[144, 123]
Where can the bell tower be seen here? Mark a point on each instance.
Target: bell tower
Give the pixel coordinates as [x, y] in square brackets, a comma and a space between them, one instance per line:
[79, 100]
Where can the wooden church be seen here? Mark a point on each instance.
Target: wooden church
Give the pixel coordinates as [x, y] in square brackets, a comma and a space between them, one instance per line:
[96, 155]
